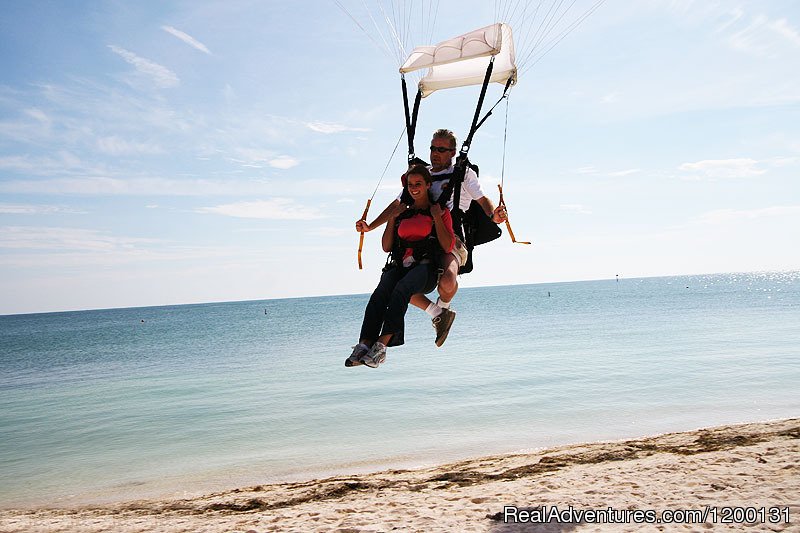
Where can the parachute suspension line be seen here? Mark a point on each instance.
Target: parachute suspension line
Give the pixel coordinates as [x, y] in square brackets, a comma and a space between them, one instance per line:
[403, 21]
[522, 45]
[369, 201]
[432, 25]
[545, 25]
[560, 37]
[399, 51]
[509, 12]
[400, 22]
[407, 29]
[514, 11]
[389, 49]
[550, 25]
[385, 48]
[502, 202]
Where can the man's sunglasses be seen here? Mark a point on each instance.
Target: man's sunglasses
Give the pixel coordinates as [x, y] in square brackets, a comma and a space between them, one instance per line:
[441, 149]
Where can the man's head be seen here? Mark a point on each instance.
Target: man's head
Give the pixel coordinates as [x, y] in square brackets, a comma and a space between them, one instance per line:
[443, 149]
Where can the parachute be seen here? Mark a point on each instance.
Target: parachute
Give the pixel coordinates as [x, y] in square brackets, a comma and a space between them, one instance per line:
[482, 56]
[462, 61]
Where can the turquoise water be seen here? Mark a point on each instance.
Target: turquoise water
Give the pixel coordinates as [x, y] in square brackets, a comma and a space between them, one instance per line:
[145, 402]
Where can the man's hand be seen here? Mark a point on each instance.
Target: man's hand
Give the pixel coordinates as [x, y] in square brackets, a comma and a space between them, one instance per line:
[499, 215]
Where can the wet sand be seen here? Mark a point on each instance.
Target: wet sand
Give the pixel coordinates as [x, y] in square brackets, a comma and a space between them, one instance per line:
[755, 467]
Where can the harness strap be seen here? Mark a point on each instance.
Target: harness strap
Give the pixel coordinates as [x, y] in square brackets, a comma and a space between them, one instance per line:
[425, 248]
[453, 190]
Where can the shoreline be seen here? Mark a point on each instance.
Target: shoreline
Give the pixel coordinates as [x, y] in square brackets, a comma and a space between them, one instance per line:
[752, 465]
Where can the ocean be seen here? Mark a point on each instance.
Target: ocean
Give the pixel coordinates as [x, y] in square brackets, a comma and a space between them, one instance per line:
[105, 405]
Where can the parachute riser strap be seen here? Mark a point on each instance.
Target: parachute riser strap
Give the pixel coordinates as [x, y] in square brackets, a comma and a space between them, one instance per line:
[502, 204]
[505, 95]
[414, 114]
[361, 238]
[474, 127]
[411, 117]
[409, 136]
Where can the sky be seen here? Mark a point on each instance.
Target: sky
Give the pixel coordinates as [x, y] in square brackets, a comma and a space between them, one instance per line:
[156, 153]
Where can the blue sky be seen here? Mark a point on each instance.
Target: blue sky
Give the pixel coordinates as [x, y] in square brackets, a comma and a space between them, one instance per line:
[176, 152]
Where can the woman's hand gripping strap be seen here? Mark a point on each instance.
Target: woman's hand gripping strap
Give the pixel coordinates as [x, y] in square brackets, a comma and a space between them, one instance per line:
[361, 238]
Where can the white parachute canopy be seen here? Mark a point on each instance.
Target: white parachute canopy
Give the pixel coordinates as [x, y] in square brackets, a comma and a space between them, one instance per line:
[463, 60]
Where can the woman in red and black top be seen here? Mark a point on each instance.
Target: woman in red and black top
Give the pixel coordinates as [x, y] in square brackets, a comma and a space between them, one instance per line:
[415, 236]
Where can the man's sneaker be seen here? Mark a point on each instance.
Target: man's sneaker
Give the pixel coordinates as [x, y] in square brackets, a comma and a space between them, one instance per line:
[375, 356]
[442, 325]
[359, 351]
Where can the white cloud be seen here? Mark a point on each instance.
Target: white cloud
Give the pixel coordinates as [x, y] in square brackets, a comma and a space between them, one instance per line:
[575, 208]
[761, 35]
[722, 216]
[610, 98]
[328, 128]
[115, 146]
[722, 168]
[735, 14]
[106, 186]
[782, 28]
[90, 186]
[148, 186]
[283, 162]
[52, 238]
[188, 39]
[161, 76]
[782, 161]
[751, 39]
[253, 156]
[628, 172]
[330, 231]
[38, 115]
[42, 166]
[30, 209]
[274, 209]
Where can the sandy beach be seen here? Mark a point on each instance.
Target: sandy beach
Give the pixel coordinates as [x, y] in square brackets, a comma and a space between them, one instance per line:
[725, 475]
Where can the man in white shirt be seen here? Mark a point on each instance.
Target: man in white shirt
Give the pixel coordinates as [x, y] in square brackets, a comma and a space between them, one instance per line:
[443, 150]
